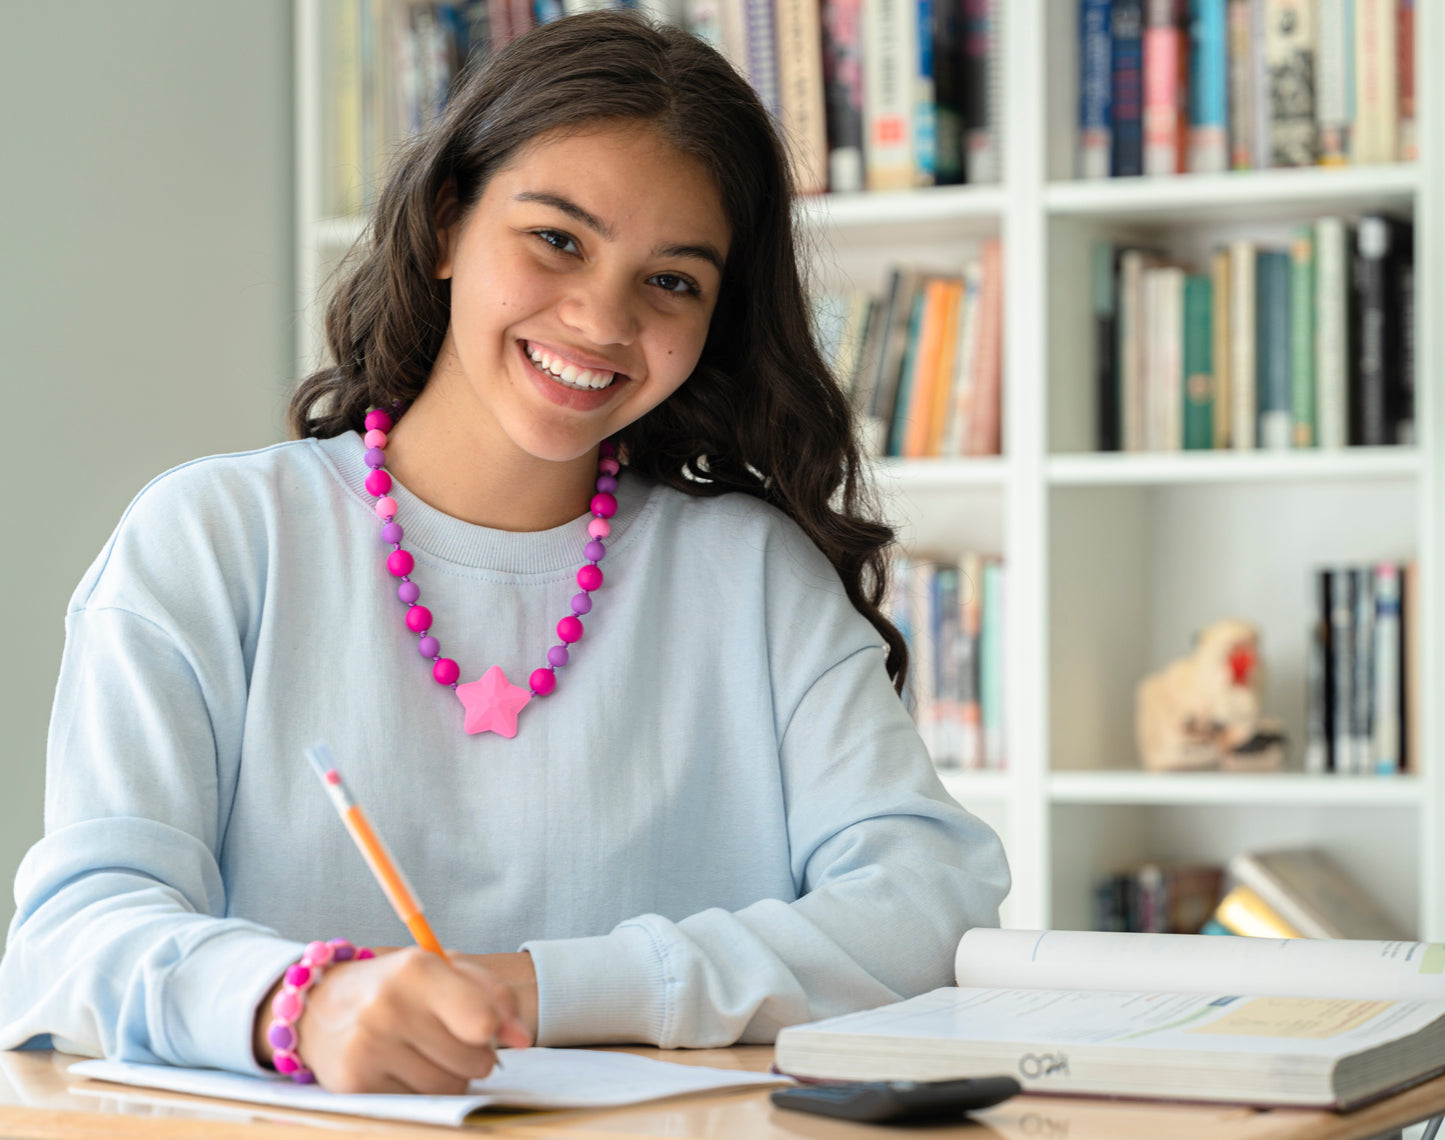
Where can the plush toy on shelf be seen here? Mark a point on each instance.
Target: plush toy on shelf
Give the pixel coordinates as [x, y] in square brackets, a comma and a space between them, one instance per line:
[1203, 710]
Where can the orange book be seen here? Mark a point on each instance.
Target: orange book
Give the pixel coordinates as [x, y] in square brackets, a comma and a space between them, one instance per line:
[925, 368]
[985, 434]
[943, 370]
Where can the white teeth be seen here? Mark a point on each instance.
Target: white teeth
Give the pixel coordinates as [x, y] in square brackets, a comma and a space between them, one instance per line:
[567, 372]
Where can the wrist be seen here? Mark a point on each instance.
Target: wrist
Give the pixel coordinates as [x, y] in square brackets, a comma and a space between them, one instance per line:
[276, 1038]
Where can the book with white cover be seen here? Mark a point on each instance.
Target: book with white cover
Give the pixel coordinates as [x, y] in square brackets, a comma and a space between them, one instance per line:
[1268, 1021]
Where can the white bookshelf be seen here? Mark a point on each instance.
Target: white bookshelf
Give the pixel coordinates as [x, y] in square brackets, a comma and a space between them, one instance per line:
[1114, 560]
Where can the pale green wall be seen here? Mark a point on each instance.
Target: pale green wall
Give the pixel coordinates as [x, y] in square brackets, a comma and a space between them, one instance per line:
[146, 292]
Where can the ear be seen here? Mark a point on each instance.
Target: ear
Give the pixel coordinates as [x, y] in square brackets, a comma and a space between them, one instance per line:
[448, 220]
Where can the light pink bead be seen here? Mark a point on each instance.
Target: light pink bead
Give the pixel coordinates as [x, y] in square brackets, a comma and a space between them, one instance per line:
[287, 1005]
[386, 508]
[319, 953]
[589, 577]
[444, 672]
[375, 438]
[543, 681]
[378, 483]
[599, 528]
[608, 466]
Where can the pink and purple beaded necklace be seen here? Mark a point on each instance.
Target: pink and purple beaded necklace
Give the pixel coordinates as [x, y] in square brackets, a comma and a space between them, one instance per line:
[492, 702]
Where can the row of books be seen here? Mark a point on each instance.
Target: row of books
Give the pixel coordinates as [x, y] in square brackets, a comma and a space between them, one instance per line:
[951, 616]
[1362, 706]
[1306, 346]
[923, 362]
[1202, 86]
[872, 94]
[1292, 892]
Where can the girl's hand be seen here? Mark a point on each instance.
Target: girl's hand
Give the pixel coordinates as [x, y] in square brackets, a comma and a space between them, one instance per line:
[518, 972]
[405, 1022]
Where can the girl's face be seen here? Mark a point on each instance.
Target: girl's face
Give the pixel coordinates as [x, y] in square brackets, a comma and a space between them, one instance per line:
[583, 281]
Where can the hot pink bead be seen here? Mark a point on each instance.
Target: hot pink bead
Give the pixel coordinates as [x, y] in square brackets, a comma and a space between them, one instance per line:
[609, 466]
[418, 619]
[378, 483]
[364, 953]
[377, 420]
[589, 577]
[374, 438]
[604, 505]
[286, 1063]
[542, 681]
[444, 672]
[298, 975]
[319, 953]
[400, 563]
[386, 508]
[287, 1005]
[569, 629]
[599, 528]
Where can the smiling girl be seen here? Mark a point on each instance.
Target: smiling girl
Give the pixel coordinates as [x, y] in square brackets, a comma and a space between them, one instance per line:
[572, 565]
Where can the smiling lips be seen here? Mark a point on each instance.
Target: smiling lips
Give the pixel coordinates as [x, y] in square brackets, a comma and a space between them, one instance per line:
[567, 373]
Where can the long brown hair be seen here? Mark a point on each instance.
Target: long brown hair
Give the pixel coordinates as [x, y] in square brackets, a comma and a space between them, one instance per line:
[761, 412]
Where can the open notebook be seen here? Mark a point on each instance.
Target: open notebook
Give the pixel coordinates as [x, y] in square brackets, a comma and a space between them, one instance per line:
[532, 1078]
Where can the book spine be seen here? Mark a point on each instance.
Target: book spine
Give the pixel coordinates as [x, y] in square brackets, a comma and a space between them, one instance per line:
[970, 591]
[981, 91]
[1208, 148]
[1342, 669]
[1410, 755]
[1376, 82]
[1332, 103]
[965, 361]
[925, 116]
[888, 93]
[1377, 347]
[1198, 364]
[948, 91]
[1106, 371]
[1219, 348]
[799, 56]
[1242, 363]
[1242, 93]
[1095, 89]
[985, 426]
[946, 698]
[1332, 331]
[918, 422]
[1259, 59]
[1290, 52]
[1164, 124]
[1403, 403]
[1386, 736]
[1408, 144]
[893, 343]
[1318, 745]
[1362, 718]
[1302, 335]
[760, 28]
[903, 404]
[943, 370]
[1126, 155]
[991, 666]
[1272, 334]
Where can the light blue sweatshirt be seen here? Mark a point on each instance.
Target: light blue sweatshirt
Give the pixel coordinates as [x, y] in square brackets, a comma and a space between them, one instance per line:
[721, 823]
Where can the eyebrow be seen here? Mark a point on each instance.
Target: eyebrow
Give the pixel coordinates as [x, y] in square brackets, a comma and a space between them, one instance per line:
[701, 252]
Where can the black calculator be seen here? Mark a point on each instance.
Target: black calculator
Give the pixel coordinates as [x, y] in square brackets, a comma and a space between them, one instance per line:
[882, 1101]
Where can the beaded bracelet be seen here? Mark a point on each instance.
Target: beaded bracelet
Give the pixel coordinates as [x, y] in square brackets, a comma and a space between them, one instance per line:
[288, 1005]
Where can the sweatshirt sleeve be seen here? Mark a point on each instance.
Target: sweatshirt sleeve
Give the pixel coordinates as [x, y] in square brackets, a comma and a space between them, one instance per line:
[891, 872]
[120, 946]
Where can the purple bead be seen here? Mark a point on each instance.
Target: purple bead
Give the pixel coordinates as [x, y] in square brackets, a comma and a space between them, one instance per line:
[281, 1035]
[408, 592]
[557, 656]
[582, 603]
[428, 647]
[594, 551]
[606, 483]
[391, 533]
[375, 457]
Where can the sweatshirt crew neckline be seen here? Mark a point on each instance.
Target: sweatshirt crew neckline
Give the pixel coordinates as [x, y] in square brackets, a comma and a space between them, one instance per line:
[439, 535]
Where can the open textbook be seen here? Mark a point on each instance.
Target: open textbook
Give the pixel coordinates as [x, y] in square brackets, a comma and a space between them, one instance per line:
[532, 1078]
[1189, 1017]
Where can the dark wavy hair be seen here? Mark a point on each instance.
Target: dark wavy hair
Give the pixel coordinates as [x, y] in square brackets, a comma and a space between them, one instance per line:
[761, 413]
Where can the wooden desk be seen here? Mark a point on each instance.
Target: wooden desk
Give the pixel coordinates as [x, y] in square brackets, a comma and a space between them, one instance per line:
[40, 1101]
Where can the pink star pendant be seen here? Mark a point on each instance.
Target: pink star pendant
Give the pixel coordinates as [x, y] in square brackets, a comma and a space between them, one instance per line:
[493, 703]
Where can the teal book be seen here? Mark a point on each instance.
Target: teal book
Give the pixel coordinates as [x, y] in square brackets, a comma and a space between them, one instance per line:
[901, 409]
[1272, 348]
[1198, 363]
[990, 680]
[1302, 336]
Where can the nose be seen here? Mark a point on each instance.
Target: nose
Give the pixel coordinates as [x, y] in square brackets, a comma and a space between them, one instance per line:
[600, 309]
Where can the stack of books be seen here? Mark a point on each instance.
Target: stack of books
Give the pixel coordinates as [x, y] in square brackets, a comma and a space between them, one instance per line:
[923, 363]
[1361, 711]
[1297, 893]
[1158, 898]
[1309, 345]
[951, 616]
[1202, 86]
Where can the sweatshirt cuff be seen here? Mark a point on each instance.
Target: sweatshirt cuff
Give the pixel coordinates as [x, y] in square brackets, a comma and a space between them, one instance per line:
[213, 995]
[605, 990]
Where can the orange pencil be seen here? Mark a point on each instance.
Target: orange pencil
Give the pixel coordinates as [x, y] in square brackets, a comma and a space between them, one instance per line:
[398, 891]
